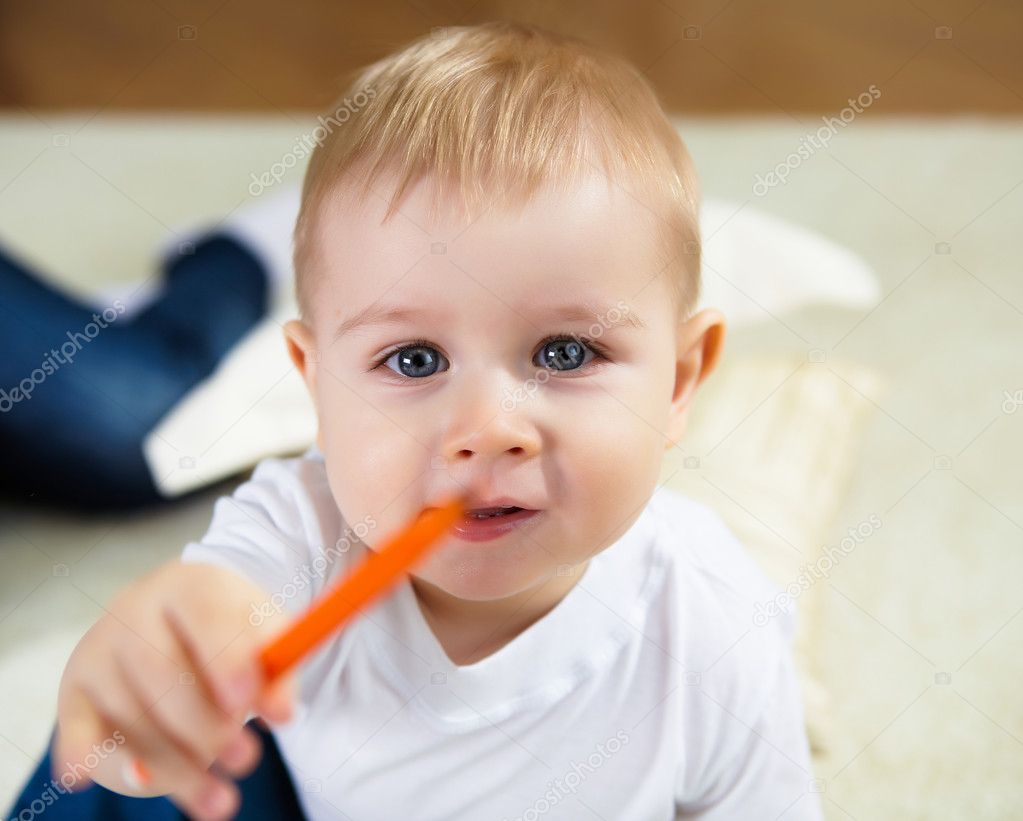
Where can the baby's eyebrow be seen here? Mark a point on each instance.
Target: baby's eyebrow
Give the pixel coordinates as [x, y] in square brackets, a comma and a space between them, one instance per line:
[377, 315]
[586, 311]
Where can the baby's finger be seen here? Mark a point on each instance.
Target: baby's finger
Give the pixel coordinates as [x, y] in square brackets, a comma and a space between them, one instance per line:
[212, 800]
[173, 772]
[178, 703]
[168, 765]
[240, 755]
[223, 653]
[80, 728]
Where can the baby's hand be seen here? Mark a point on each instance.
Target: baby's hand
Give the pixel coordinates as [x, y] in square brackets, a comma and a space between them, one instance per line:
[167, 677]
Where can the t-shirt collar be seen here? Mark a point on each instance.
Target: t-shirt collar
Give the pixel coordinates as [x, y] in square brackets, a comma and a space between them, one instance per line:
[542, 664]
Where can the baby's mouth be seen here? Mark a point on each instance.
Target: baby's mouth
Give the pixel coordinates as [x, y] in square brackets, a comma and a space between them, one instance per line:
[484, 524]
[491, 512]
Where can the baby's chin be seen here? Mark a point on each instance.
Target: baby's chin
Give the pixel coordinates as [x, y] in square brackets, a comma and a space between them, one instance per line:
[478, 578]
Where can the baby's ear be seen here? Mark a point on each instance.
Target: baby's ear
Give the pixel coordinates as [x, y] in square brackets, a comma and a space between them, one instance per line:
[700, 343]
[302, 350]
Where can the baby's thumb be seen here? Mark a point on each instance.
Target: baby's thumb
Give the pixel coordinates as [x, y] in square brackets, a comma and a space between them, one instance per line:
[277, 690]
[276, 701]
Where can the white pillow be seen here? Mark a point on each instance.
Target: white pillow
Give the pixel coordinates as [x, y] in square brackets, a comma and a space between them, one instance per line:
[755, 265]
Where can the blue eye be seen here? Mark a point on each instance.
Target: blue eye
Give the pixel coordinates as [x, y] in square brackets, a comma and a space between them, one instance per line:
[563, 353]
[416, 361]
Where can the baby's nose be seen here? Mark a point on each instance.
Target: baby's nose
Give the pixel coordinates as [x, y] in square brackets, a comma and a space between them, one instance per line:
[497, 437]
[486, 424]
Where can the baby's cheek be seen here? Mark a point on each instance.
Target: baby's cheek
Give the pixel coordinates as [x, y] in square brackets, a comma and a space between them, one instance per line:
[613, 437]
[616, 462]
[372, 467]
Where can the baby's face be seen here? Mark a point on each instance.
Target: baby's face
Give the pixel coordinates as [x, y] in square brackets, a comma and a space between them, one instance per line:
[528, 358]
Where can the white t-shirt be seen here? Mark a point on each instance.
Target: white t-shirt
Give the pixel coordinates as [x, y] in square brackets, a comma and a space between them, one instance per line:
[647, 693]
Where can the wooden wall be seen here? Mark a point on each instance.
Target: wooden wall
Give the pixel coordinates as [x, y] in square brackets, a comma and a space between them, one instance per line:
[707, 56]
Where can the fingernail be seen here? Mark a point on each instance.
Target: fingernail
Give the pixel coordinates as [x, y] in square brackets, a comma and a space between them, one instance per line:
[234, 749]
[216, 800]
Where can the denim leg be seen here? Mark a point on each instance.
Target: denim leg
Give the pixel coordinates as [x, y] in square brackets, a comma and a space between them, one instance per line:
[80, 389]
[267, 793]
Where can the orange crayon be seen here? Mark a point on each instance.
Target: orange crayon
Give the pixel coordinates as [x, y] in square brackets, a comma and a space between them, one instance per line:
[376, 574]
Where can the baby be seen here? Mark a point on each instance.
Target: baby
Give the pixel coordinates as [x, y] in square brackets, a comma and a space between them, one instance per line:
[497, 262]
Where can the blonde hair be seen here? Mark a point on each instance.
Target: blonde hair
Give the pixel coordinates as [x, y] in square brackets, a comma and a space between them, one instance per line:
[499, 110]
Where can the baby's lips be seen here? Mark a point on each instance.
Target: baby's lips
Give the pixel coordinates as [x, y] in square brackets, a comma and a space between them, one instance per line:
[479, 501]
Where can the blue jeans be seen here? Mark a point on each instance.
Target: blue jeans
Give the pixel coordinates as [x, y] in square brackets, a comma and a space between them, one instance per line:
[267, 792]
[81, 388]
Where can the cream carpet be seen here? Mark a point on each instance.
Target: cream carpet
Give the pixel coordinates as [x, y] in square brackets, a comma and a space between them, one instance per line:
[918, 632]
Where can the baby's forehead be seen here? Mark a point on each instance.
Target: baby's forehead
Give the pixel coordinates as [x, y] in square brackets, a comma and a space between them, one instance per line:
[484, 282]
[583, 232]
